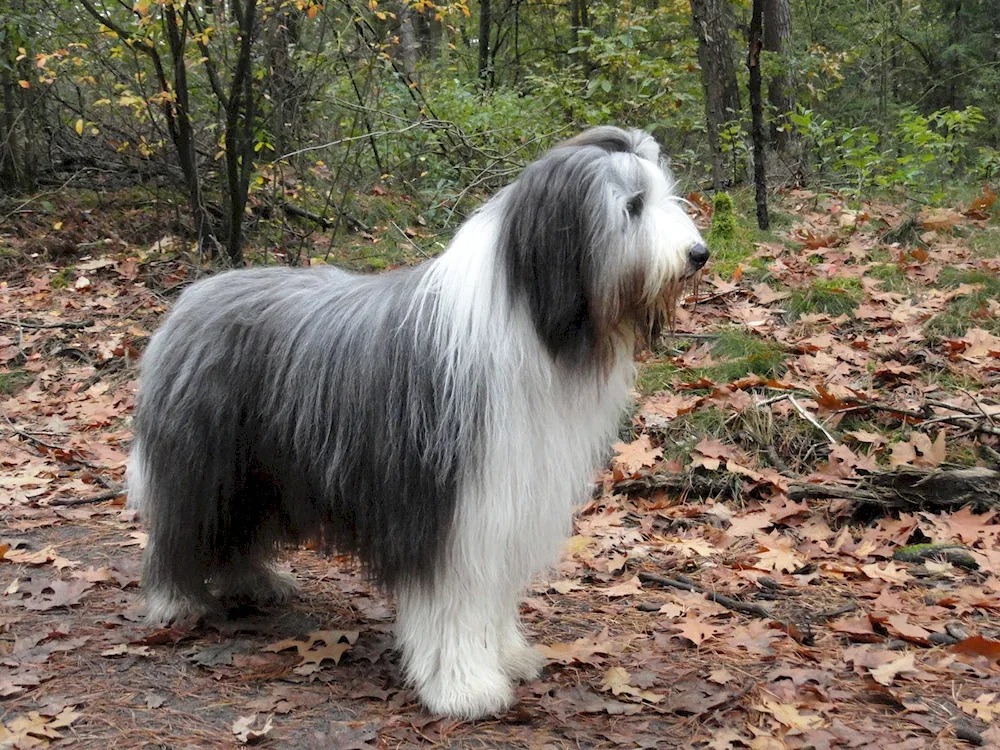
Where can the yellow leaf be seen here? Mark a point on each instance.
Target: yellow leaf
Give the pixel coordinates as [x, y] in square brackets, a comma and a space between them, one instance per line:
[24, 84]
[57, 226]
[79, 127]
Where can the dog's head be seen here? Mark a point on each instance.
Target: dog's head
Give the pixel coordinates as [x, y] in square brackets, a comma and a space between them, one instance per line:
[597, 245]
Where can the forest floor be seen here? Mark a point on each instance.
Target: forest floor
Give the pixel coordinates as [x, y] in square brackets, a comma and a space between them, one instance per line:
[737, 581]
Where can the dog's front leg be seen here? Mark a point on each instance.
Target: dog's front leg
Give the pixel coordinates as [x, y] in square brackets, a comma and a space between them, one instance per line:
[457, 639]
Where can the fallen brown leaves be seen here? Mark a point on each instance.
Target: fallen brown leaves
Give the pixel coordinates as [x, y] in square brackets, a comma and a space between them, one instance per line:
[699, 603]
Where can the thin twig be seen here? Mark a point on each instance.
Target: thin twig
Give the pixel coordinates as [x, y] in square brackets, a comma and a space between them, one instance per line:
[408, 239]
[875, 406]
[695, 336]
[29, 436]
[773, 400]
[831, 614]
[960, 419]
[811, 419]
[50, 446]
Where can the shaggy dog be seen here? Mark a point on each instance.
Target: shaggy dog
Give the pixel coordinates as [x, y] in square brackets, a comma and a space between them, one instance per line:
[438, 422]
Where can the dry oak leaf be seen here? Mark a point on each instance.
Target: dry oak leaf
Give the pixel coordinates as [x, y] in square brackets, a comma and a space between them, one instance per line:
[863, 436]
[14, 681]
[691, 547]
[696, 630]
[977, 645]
[939, 218]
[629, 587]
[789, 716]
[630, 458]
[245, 733]
[64, 594]
[886, 673]
[770, 476]
[749, 524]
[319, 646]
[858, 628]
[982, 707]
[890, 573]
[616, 680]
[980, 344]
[901, 626]
[778, 554]
[766, 295]
[41, 557]
[667, 406]
[35, 730]
[584, 650]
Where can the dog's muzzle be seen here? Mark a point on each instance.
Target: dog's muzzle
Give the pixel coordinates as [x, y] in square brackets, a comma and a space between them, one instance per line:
[697, 257]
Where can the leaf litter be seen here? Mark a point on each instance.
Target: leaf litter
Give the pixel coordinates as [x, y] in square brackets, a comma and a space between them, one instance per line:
[738, 581]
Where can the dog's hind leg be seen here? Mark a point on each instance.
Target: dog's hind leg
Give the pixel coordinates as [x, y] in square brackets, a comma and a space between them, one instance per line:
[174, 584]
[245, 572]
[252, 578]
[175, 567]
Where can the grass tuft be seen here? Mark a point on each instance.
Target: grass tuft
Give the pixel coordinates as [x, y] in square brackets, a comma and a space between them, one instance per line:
[657, 375]
[967, 311]
[834, 297]
[741, 353]
[13, 382]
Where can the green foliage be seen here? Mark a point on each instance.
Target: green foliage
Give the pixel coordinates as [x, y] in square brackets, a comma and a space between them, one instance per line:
[741, 353]
[922, 153]
[874, 112]
[732, 235]
[968, 310]
[13, 382]
[723, 230]
[656, 376]
[834, 297]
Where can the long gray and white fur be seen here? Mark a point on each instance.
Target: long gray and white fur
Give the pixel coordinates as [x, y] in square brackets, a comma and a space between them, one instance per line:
[438, 422]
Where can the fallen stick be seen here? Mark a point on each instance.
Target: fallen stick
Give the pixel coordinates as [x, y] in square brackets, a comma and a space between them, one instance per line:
[28, 324]
[726, 601]
[99, 498]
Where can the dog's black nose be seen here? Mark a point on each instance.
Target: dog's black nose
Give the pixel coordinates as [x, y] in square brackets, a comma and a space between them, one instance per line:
[698, 255]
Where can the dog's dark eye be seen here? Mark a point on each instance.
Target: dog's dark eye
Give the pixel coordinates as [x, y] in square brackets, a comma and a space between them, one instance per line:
[634, 205]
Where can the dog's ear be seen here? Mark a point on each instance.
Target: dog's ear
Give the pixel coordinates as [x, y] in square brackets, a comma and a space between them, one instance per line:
[553, 216]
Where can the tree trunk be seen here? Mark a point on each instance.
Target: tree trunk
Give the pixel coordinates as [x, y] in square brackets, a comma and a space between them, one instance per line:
[485, 27]
[757, 113]
[17, 164]
[578, 19]
[410, 47]
[285, 85]
[239, 139]
[11, 166]
[712, 21]
[780, 95]
[182, 134]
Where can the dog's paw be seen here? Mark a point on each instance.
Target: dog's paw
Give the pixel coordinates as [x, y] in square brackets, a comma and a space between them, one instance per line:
[172, 608]
[258, 586]
[473, 697]
[523, 663]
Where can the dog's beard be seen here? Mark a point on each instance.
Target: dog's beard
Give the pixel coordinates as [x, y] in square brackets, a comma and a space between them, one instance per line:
[661, 312]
